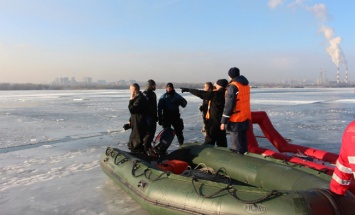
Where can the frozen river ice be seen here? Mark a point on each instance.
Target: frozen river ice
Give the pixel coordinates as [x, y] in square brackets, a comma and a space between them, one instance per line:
[51, 141]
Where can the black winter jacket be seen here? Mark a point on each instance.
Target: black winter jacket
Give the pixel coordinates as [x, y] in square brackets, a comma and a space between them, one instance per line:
[217, 102]
[152, 104]
[137, 108]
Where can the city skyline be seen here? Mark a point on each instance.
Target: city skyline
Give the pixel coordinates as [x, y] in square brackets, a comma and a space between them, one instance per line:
[177, 40]
[321, 79]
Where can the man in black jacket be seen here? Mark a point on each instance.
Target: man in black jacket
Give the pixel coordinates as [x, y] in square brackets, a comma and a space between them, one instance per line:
[138, 123]
[152, 115]
[214, 113]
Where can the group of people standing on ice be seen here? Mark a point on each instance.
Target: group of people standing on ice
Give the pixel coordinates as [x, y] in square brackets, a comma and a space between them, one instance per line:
[146, 112]
[226, 106]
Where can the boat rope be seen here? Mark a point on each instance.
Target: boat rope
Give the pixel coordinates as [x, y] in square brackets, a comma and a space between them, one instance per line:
[232, 191]
[135, 166]
[159, 176]
[194, 178]
[207, 173]
[116, 155]
[221, 174]
[108, 151]
[272, 194]
[117, 162]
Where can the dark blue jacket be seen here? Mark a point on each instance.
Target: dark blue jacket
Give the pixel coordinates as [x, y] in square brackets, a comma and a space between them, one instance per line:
[169, 104]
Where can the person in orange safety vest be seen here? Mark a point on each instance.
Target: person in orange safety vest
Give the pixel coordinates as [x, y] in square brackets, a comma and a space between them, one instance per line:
[236, 114]
[208, 86]
[344, 171]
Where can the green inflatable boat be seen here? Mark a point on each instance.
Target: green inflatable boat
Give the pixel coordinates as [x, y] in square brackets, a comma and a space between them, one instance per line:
[198, 179]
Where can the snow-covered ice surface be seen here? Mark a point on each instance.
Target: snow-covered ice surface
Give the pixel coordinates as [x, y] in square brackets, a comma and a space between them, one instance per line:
[51, 142]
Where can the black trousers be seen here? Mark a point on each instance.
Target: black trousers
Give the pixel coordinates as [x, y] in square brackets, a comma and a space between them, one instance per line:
[152, 127]
[177, 123]
[214, 134]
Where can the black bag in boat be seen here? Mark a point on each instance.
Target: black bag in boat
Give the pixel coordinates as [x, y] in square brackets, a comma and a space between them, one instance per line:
[163, 140]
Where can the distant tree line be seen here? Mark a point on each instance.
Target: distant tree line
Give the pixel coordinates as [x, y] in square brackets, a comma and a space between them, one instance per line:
[30, 86]
[27, 86]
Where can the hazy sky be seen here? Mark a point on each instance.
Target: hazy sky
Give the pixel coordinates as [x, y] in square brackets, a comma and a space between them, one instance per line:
[175, 40]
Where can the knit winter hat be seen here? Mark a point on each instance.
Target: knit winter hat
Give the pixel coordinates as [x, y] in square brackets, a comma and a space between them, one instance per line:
[233, 72]
[222, 82]
[150, 84]
[170, 85]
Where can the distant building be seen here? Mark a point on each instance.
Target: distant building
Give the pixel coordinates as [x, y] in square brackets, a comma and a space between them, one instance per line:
[121, 82]
[102, 82]
[87, 80]
[56, 81]
[132, 82]
[72, 80]
[64, 80]
[61, 81]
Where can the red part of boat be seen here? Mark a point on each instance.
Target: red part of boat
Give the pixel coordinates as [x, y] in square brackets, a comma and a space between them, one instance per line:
[287, 151]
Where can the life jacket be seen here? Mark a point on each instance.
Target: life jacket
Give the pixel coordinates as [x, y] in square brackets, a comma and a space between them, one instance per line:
[344, 170]
[208, 110]
[241, 110]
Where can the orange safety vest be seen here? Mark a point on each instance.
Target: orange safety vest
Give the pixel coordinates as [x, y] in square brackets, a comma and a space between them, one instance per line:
[344, 170]
[241, 110]
[208, 110]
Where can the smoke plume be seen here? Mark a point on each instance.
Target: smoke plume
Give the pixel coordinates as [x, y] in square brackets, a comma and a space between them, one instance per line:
[320, 12]
[334, 49]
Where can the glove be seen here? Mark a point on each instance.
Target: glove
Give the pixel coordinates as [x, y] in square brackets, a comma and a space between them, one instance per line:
[126, 126]
[184, 90]
[200, 108]
[160, 121]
